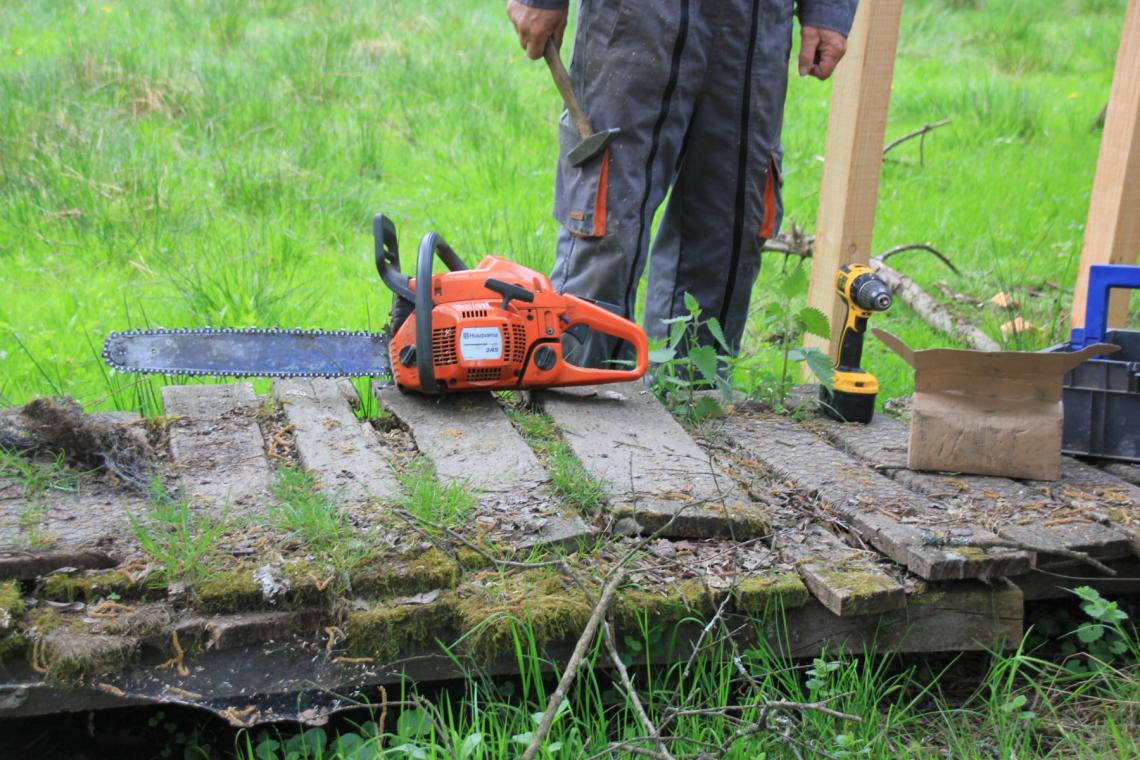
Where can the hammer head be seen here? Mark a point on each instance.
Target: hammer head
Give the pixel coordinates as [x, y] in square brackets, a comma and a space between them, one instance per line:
[591, 146]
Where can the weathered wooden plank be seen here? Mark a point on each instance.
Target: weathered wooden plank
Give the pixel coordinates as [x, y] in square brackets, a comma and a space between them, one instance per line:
[216, 443]
[651, 468]
[1031, 513]
[1126, 471]
[23, 564]
[235, 667]
[905, 526]
[853, 159]
[468, 438]
[342, 451]
[1112, 233]
[970, 618]
[1108, 496]
[470, 441]
[845, 580]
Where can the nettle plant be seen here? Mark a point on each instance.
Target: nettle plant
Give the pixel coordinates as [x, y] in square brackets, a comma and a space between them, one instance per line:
[686, 369]
[683, 368]
[780, 318]
[1102, 637]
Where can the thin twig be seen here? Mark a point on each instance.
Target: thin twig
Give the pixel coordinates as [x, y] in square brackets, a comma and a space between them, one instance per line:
[412, 519]
[918, 247]
[920, 132]
[932, 312]
[619, 573]
[652, 732]
[1020, 546]
[575, 661]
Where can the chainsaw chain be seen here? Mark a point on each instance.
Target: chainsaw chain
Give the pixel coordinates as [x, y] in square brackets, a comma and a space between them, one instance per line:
[110, 342]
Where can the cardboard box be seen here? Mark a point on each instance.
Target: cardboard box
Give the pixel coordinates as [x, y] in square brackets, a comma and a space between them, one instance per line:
[988, 413]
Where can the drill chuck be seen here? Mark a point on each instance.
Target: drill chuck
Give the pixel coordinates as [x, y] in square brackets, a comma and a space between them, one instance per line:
[871, 293]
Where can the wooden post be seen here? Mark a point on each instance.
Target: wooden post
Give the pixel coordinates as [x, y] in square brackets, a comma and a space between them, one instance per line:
[1112, 234]
[854, 156]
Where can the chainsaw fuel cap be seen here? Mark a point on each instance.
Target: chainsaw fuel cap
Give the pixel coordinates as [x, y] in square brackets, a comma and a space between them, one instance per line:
[545, 358]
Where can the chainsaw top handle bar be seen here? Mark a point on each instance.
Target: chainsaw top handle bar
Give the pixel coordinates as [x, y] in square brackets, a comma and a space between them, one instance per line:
[430, 245]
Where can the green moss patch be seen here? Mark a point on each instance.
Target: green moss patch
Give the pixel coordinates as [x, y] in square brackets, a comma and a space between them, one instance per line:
[497, 613]
[669, 604]
[83, 658]
[11, 600]
[12, 647]
[388, 632]
[856, 581]
[230, 591]
[405, 575]
[43, 620]
[762, 595]
[90, 587]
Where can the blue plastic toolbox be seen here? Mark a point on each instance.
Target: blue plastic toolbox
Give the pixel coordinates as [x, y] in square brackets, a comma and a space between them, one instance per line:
[1102, 396]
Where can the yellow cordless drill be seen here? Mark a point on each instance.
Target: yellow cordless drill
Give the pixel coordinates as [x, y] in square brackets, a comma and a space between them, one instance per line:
[852, 398]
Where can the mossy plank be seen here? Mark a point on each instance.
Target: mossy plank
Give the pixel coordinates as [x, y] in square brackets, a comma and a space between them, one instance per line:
[873, 504]
[75, 658]
[846, 581]
[651, 468]
[90, 586]
[962, 617]
[388, 632]
[229, 591]
[344, 453]
[770, 593]
[404, 575]
[498, 613]
[636, 607]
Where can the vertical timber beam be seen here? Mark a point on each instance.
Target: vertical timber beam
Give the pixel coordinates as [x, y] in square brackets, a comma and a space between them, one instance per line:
[1112, 234]
[854, 157]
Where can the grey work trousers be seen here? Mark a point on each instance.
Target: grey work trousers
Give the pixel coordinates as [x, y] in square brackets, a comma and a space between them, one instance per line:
[697, 88]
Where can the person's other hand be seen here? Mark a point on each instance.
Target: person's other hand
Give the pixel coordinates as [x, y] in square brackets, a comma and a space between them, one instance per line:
[535, 26]
[820, 51]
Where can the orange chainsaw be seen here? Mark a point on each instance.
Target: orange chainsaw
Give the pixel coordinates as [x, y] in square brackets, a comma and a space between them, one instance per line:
[495, 327]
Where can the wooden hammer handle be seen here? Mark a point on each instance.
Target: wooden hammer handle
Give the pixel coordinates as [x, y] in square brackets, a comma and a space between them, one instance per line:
[562, 79]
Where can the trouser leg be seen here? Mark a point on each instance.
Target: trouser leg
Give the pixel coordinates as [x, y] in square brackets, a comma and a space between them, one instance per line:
[637, 65]
[726, 197]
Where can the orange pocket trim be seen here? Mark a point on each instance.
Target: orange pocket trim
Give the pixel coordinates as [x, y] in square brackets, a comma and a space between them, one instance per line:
[600, 202]
[768, 225]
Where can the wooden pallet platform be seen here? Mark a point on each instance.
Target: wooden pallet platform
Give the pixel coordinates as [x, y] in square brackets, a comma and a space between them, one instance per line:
[750, 514]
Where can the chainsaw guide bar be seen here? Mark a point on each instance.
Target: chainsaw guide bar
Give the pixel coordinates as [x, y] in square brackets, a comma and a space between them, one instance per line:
[250, 352]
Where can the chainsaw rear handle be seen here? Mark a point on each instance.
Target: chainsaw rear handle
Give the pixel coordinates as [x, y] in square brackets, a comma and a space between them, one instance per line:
[430, 245]
[582, 312]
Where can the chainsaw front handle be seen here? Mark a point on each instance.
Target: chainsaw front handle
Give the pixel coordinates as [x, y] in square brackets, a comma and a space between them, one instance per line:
[582, 312]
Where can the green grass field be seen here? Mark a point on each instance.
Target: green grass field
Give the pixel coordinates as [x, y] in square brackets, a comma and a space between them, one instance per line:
[217, 162]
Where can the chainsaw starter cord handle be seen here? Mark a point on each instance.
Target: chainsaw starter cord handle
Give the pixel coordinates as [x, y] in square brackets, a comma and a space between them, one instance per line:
[430, 245]
[509, 291]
